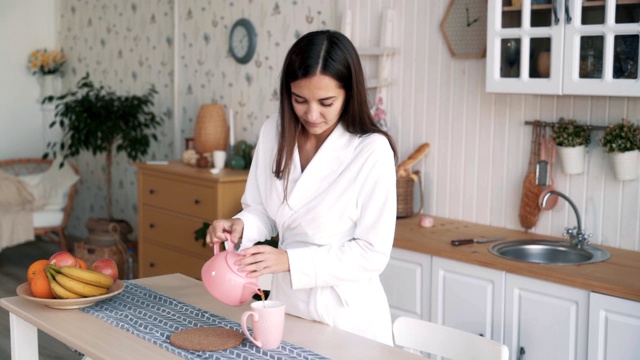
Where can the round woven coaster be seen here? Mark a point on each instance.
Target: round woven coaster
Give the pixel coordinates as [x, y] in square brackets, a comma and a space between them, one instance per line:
[206, 339]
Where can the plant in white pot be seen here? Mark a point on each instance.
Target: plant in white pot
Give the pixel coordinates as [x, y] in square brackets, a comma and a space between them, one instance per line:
[571, 141]
[95, 119]
[622, 142]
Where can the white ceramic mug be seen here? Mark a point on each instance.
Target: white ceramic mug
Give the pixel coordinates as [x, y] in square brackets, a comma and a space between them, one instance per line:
[268, 323]
[219, 158]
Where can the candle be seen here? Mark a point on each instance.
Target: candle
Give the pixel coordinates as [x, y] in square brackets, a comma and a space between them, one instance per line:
[231, 129]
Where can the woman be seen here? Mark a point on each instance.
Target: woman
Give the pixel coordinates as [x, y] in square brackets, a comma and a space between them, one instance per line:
[323, 179]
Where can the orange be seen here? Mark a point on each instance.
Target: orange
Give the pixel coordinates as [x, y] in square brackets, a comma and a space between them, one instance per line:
[37, 267]
[40, 287]
[81, 263]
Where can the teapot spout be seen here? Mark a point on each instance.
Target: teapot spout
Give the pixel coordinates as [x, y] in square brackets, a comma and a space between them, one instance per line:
[251, 288]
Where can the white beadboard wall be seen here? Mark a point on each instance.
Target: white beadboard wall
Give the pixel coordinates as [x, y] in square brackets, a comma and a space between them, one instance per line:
[479, 141]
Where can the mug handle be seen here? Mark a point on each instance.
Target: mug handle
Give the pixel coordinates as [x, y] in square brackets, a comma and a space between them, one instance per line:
[243, 323]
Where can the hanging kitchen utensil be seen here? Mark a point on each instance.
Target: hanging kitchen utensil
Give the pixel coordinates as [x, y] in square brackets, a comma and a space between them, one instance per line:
[550, 148]
[529, 208]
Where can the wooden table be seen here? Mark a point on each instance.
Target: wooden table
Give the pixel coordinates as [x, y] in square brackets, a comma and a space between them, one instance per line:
[99, 340]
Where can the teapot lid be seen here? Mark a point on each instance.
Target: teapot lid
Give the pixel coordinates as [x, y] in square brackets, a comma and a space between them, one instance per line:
[231, 257]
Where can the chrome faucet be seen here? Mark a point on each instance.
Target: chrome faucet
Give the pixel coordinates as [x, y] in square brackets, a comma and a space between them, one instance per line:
[576, 235]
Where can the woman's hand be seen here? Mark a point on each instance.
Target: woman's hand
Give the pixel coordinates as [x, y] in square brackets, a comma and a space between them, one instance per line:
[263, 259]
[225, 230]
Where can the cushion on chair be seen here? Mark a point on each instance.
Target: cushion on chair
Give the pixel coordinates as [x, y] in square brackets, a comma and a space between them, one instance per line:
[13, 192]
[51, 188]
[47, 218]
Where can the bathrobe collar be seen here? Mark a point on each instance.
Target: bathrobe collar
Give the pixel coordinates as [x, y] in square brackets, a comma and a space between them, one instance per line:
[323, 169]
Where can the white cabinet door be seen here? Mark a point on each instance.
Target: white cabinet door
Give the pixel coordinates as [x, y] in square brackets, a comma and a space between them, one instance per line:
[570, 47]
[601, 48]
[524, 47]
[544, 320]
[614, 328]
[467, 297]
[407, 283]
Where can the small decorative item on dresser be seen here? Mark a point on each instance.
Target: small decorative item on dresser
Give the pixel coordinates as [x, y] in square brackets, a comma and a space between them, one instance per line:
[622, 142]
[211, 132]
[571, 140]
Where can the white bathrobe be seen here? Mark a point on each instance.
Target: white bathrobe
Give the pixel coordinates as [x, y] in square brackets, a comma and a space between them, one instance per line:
[337, 228]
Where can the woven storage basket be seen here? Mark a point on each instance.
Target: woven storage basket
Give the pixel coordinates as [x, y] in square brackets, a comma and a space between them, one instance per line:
[91, 253]
[106, 244]
[211, 131]
[405, 186]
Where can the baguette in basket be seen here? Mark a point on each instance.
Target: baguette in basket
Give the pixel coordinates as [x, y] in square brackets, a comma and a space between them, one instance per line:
[404, 168]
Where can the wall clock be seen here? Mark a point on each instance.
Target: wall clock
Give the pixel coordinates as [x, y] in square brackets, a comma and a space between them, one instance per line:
[242, 41]
[464, 27]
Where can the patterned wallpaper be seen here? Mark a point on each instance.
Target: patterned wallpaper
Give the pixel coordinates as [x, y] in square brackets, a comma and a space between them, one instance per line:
[129, 45]
[208, 73]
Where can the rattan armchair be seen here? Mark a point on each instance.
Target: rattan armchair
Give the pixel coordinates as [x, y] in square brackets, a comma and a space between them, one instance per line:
[27, 166]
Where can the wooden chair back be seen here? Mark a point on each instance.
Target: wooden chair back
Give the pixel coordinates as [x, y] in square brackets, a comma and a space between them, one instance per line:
[27, 166]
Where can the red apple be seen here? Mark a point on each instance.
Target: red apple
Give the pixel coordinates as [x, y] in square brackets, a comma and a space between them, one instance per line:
[106, 266]
[63, 258]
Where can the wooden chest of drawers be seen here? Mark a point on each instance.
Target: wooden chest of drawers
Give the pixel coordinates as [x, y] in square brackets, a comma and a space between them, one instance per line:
[173, 202]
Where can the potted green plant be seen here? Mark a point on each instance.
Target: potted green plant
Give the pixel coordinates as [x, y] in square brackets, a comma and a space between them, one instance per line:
[622, 142]
[98, 120]
[571, 140]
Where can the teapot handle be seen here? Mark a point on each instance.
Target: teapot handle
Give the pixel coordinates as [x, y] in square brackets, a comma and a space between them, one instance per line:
[216, 246]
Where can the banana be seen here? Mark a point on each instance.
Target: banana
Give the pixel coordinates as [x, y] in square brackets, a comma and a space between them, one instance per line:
[86, 276]
[58, 291]
[78, 287]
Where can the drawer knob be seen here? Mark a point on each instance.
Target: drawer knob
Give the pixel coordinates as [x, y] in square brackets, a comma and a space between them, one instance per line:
[197, 202]
[152, 264]
[151, 191]
[151, 226]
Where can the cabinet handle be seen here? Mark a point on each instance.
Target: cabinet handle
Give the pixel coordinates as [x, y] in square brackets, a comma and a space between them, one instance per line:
[197, 201]
[152, 264]
[521, 353]
[151, 226]
[567, 11]
[151, 191]
[556, 19]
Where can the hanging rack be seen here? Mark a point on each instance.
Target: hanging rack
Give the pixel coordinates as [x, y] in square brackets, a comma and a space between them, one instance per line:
[551, 124]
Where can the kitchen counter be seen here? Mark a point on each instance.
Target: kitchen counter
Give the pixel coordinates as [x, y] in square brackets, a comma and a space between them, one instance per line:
[619, 276]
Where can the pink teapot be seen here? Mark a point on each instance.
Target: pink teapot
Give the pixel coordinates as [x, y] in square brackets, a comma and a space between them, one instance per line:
[223, 280]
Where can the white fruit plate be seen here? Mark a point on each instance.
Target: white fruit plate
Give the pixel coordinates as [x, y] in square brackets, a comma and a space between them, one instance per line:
[24, 290]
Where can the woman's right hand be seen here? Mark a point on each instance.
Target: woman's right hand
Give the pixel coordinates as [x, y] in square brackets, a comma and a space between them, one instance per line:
[225, 230]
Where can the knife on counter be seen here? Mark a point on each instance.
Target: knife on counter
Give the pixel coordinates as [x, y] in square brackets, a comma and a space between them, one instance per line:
[474, 241]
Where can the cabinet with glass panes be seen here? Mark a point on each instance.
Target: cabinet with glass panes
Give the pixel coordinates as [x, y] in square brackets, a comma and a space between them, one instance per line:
[573, 47]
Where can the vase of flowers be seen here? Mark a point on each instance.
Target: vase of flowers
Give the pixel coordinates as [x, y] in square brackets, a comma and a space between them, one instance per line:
[622, 142]
[47, 65]
[571, 140]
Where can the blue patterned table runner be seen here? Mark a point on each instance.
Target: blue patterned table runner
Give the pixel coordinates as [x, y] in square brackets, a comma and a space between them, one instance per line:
[154, 317]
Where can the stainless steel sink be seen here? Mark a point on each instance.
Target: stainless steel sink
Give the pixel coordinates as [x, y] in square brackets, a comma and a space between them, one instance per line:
[548, 252]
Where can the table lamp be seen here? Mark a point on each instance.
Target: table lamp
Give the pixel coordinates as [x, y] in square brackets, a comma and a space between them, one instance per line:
[211, 132]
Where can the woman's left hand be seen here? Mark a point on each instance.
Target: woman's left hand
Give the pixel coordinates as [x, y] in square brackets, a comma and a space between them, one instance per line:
[263, 259]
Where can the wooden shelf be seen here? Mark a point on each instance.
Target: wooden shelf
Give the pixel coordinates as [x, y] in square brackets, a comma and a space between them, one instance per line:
[533, 7]
[587, 3]
[375, 83]
[376, 51]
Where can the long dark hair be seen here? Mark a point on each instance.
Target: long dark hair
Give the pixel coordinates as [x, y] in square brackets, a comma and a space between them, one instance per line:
[332, 54]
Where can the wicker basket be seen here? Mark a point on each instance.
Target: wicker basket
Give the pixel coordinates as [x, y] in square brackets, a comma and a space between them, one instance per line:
[405, 186]
[91, 253]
